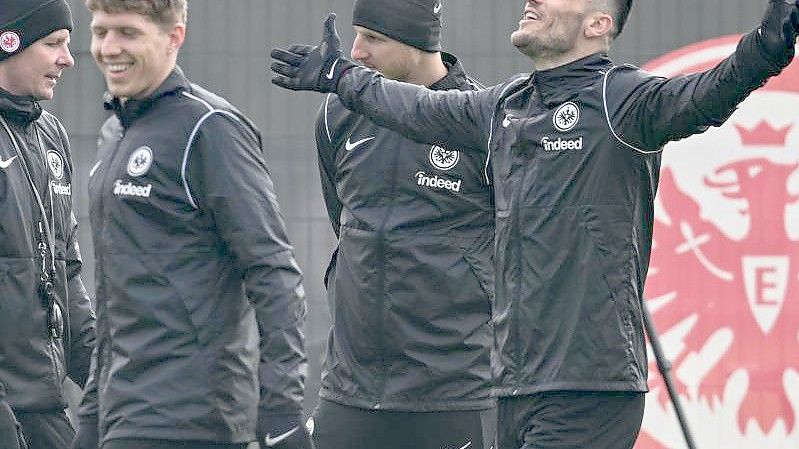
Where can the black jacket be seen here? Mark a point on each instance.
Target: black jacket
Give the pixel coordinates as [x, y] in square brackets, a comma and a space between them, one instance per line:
[192, 264]
[32, 364]
[575, 153]
[411, 283]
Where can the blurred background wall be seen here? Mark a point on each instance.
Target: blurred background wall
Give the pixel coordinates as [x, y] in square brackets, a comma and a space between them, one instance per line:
[227, 51]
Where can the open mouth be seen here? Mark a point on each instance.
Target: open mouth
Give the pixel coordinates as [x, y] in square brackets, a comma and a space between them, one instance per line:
[118, 68]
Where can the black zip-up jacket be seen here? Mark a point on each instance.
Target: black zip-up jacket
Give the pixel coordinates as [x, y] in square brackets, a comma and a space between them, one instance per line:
[33, 365]
[411, 283]
[193, 263]
[575, 153]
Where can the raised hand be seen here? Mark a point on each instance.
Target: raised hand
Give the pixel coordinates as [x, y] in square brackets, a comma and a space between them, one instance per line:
[302, 67]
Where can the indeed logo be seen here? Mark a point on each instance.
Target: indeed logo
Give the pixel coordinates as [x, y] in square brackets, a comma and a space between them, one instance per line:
[62, 189]
[424, 180]
[561, 144]
[131, 189]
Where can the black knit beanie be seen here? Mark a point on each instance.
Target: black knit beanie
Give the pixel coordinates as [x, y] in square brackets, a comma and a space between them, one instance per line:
[23, 22]
[413, 22]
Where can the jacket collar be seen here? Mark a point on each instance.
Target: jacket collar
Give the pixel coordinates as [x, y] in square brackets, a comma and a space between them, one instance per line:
[19, 109]
[455, 77]
[132, 109]
[562, 83]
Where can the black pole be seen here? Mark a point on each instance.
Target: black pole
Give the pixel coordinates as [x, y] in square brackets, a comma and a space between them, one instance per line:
[664, 366]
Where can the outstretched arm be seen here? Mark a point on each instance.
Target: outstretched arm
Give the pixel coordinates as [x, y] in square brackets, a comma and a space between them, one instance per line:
[452, 118]
[660, 110]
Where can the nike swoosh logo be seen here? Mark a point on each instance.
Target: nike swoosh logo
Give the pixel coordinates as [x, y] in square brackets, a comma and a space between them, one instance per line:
[437, 8]
[276, 440]
[332, 69]
[349, 146]
[466, 445]
[7, 163]
[506, 122]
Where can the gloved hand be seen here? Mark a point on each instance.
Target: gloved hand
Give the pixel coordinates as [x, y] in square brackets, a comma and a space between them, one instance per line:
[302, 67]
[778, 31]
[87, 435]
[10, 436]
[283, 432]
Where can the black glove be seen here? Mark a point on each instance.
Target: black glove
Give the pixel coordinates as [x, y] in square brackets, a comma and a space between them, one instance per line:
[283, 432]
[302, 67]
[87, 435]
[778, 31]
[10, 434]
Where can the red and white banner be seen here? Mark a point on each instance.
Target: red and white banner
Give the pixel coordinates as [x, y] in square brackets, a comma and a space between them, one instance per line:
[723, 284]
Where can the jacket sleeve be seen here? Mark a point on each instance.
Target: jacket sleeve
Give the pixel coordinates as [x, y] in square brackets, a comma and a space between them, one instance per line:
[82, 321]
[326, 151]
[656, 110]
[452, 118]
[229, 177]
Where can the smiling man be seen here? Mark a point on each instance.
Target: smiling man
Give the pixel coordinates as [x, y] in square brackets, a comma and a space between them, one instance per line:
[411, 283]
[200, 302]
[575, 148]
[46, 324]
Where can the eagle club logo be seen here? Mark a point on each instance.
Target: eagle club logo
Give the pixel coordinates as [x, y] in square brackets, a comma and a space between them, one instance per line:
[442, 158]
[566, 117]
[723, 283]
[9, 41]
[56, 164]
[140, 161]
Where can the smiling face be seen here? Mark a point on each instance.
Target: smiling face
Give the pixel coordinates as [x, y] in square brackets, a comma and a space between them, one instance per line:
[559, 31]
[35, 71]
[134, 53]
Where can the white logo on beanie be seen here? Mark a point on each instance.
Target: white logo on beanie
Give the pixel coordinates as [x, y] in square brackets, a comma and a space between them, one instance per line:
[9, 41]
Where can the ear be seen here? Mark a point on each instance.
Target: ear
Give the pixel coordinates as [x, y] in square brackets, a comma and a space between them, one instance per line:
[176, 36]
[598, 24]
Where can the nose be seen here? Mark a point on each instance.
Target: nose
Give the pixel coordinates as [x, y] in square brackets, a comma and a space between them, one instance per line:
[108, 45]
[66, 60]
[359, 51]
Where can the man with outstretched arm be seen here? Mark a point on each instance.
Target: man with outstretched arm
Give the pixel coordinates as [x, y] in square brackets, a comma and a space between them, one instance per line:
[575, 150]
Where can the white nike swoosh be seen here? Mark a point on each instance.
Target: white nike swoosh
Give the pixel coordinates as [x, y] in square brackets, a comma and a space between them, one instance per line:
[276, 440]
[466, 445]
[332, 68]
[7, 163]
[437, 8]
[349, 146]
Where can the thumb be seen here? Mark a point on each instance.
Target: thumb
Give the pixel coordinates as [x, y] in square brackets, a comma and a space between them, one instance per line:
[330, 36]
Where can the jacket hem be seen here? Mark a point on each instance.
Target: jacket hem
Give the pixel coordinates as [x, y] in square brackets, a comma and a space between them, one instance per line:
[410, 406]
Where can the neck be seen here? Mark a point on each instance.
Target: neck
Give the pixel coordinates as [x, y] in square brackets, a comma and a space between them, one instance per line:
[430, 70]
[551, 61]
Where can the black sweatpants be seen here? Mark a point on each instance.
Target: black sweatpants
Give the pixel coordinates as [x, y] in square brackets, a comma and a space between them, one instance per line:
[131, 443]
[570, 420]
[336, 426]
[46, 430]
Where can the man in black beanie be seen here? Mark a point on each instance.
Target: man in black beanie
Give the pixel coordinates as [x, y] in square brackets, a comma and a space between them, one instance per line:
[410, 285]
[46, 324]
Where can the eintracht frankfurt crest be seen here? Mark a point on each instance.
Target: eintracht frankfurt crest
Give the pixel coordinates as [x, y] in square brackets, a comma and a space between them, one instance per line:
[723, 284]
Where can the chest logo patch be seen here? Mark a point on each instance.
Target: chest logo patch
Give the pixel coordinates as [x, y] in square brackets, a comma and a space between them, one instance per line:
[443, 159]
[566, 117]
[9, 41]
[140, 161]
[56, 164]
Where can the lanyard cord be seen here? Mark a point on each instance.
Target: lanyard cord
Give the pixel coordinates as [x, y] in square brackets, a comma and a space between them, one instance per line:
[49, 225]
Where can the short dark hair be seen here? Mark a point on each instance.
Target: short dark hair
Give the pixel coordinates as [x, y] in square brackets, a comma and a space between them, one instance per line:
[163, 12]
[623, 8]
